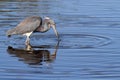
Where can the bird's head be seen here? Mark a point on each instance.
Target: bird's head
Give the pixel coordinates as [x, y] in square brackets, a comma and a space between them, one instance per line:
[51, 24]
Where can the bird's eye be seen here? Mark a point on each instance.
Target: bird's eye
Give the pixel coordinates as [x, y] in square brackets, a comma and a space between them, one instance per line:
[48, 24]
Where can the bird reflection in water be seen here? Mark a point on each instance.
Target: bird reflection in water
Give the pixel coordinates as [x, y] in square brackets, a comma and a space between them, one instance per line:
[34, 57]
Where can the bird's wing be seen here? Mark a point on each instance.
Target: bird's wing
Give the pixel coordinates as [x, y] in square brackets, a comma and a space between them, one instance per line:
[28, 25]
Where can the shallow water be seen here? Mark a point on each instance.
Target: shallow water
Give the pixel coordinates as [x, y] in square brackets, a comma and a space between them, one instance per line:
[88, 50]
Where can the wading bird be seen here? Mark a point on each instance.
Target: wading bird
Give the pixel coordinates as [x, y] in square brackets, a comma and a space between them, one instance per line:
[33, 24]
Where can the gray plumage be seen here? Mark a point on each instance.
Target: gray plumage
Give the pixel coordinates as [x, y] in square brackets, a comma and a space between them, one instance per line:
[33, 24]
[28, 25]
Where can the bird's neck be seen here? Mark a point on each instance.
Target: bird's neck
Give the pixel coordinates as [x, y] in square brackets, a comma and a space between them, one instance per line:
[43, 28]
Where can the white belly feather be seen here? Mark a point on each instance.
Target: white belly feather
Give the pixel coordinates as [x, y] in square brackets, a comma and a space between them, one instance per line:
[27, 34]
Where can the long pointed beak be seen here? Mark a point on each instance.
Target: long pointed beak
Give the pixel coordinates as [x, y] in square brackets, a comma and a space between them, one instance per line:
[56, 33]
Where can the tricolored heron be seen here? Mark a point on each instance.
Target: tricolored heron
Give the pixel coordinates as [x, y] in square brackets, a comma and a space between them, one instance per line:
[33, 24]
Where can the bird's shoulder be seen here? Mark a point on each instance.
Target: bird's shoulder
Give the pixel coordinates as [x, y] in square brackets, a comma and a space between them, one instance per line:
[31, 19]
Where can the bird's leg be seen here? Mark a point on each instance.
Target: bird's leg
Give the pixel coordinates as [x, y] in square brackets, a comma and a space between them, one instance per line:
[28, 47]
[27, 42]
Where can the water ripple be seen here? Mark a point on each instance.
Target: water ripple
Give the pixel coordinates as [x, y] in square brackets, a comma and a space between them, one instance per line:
[68, 41]
[77, 41]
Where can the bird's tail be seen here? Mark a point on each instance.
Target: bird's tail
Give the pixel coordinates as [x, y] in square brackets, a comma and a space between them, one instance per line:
[10, 32]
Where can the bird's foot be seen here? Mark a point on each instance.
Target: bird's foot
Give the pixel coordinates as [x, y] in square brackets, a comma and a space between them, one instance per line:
[28, 47]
